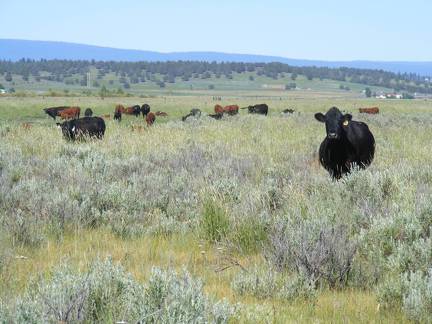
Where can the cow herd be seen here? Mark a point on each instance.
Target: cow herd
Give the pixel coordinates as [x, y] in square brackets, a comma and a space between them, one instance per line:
[347, 144]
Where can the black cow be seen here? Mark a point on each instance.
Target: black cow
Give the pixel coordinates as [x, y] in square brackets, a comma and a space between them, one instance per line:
[80, 128]
[88, 112]
[288, 111]
[347, 143]
[136, 110]
[145, 109]
[261, 109]
[194, 112]
[54, 111]
[118, 115]
[216, 116]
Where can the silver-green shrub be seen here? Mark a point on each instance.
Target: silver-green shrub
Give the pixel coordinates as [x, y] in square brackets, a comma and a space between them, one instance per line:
[106, 293]
[417, 296]
[258, 282]
[298, 288]
[320, 252]
[172, 298]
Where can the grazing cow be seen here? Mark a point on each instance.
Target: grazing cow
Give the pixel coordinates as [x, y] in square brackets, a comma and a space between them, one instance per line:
[216, 116]
[81, 128]
[218, 109]
[145, 109]
[150, 118]
[230, 110]
[261, 109]
[347, 143]
[194, 112]
[54, 111]
[88, 112]
[288, 111]
[119, 108]
[118, 115]
[372, 110]
[70, 113]
[134, 110]
[161, 113]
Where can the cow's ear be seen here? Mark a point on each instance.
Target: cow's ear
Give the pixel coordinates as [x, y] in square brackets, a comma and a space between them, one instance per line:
[348, 117]
[320, 117]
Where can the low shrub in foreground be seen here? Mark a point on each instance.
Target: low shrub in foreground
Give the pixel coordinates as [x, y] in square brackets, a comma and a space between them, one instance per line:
[106, 293]
[266, 283]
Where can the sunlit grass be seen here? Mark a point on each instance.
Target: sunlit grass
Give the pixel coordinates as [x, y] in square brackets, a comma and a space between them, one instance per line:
[245, 153]
[139, 256]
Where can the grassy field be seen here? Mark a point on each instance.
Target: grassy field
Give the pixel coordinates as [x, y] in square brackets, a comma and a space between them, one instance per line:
[233, 202]
[239, 82]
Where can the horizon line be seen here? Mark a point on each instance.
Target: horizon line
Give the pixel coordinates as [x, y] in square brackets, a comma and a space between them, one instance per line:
[217, 52]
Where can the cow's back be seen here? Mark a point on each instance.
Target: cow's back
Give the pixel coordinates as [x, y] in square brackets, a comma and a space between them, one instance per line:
[91, 126]
[258, 109]
[150, 118]
[218, 109]
[362, 140]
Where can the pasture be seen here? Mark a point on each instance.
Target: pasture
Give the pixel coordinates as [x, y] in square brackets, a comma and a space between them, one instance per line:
[239, 203]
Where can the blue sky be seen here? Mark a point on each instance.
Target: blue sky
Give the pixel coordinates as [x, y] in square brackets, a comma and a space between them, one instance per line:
[306, 29]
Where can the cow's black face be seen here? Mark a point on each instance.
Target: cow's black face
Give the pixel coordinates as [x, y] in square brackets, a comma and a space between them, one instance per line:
[335, 122]
[145, 109]
[67, 129]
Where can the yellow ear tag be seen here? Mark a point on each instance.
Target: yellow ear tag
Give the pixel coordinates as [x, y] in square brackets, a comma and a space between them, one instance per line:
[345, 123]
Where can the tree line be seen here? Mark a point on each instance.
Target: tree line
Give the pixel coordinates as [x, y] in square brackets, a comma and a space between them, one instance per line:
[75, 71]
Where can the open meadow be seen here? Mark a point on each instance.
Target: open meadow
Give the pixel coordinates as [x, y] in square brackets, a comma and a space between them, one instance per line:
[230, 220]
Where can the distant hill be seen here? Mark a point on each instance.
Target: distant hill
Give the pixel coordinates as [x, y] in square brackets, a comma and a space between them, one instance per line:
[13, 49]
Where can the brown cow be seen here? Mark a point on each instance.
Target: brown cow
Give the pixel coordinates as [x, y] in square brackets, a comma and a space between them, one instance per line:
[150, 118]
[119, 109]
[161, 113]
[372, 110]
[218, 109]
[230, 110]
[134, 110]
[70, 113]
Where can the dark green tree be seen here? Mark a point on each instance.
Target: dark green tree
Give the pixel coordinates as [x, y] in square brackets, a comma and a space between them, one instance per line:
[103, 92]
[368, 92]
[8, 77]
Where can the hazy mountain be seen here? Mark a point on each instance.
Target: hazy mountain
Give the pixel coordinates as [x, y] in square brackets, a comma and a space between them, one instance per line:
[13, 49]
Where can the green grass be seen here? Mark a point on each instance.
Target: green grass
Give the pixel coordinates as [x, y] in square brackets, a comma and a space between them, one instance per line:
[139, 256]
[239, 82]
[177, 188]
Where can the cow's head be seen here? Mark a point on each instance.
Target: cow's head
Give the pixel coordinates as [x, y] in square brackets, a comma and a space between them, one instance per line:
[335, 122]
[67, 129]
[145, 109]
